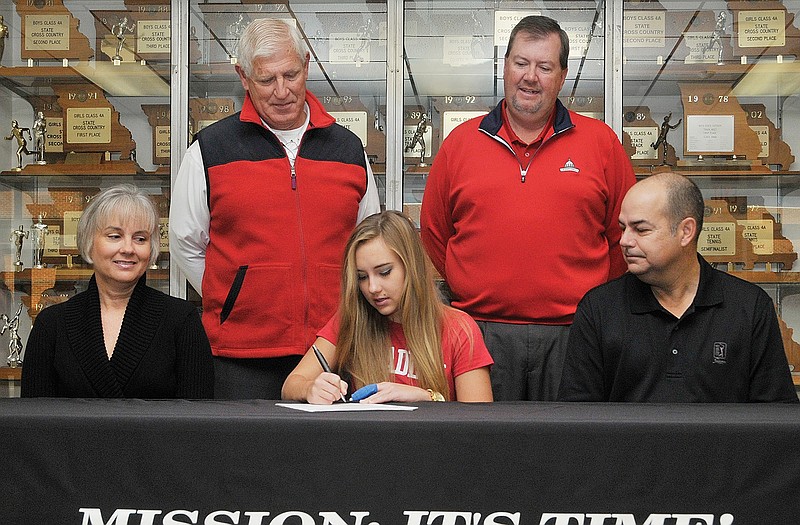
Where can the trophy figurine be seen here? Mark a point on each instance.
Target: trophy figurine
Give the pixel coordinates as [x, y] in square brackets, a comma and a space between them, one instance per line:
[118, 30]
[163, 235]
[478, 37]
[16, 237]
[18, 133]
[14, 342]
[234, 32]
[40, 135]
[716, 37]
[3, 36]
[662, 138]
[419, 139]
[364, 36]
[39, 234]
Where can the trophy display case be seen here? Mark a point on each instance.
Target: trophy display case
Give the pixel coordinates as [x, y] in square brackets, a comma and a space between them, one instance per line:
[85, 102]
[453, 70]
[96, 93]
[102, 85]
[710, 90]
[347, 43]
[347, 72]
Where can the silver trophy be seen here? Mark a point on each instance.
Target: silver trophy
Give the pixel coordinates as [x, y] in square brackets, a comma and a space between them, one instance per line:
[364, 35]
[235, 30]
[419, 139]
[163, 235]
[3, 36]
[39, 235]
[40, 137]
[14, 342]
[18, 134]
[119, 30]
[16, 237]
[716, 37]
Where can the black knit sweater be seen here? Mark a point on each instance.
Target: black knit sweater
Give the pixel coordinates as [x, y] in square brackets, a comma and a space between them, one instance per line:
[162, 350]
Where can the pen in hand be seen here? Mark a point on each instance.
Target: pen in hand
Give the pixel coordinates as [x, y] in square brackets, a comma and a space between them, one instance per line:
[324, 364]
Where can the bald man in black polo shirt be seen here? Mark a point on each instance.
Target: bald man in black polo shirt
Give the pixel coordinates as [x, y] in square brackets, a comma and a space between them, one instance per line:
[673, 329]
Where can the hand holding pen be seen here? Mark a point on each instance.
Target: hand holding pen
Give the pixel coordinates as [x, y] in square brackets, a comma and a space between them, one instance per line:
[326, 368]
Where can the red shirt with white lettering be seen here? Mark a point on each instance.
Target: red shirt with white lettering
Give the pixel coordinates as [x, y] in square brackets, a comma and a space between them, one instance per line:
[463, 348]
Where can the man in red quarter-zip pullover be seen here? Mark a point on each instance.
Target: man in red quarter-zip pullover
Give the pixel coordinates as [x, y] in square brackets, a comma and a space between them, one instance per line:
[261, 209]
[520, 214]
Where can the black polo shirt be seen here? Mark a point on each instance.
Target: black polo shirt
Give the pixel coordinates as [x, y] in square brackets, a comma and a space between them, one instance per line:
[727, 346]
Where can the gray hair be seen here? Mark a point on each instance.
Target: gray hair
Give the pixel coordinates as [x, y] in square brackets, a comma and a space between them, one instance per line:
[124, 201]
[264, 37]
[539, 27]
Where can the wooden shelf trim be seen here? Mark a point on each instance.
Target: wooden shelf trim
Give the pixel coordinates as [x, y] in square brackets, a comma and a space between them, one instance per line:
[10, 374]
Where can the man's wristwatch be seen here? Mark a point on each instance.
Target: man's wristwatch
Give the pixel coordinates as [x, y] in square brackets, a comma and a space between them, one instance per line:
[435, 396]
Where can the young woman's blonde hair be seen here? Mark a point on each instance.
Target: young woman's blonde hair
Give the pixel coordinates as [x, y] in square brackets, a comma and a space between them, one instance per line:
[363, 343]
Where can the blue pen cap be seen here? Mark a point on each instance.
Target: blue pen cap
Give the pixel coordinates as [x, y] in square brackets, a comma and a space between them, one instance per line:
[364, 392]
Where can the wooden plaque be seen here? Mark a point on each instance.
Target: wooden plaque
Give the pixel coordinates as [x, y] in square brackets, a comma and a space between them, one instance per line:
[91, 123]
[704, 37]
[791, 348]
[54, 115]
[353, 114]
[158, 115]
[51, 32]
[644, 35]
[205, 111]
[41, 279]
[455, 109]
[627, 144]
[134, 35]
[161, 200]
[588, 105]
[738, 232]
[62, 202]
[715, 124]
[643, 131]
[764, 28]
[415, 158]
[148, 5]
[774, 151]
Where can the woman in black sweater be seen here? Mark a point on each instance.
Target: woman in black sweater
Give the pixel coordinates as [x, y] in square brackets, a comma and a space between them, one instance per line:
[119, 338]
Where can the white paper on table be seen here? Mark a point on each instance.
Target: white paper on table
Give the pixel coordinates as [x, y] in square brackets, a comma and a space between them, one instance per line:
[344, 407]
